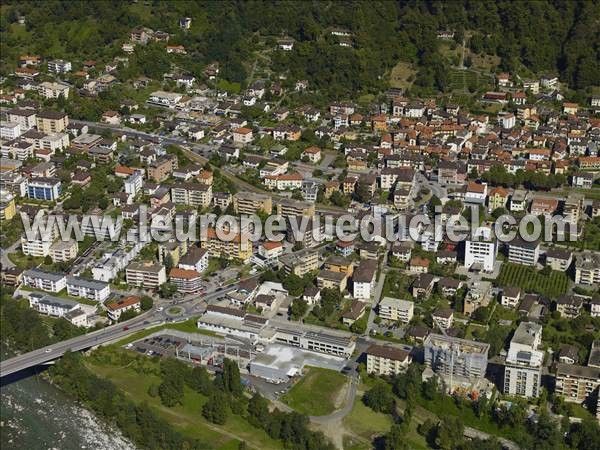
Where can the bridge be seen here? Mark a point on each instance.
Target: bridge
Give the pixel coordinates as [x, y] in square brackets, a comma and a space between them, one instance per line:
[49, 353]
[145, 320]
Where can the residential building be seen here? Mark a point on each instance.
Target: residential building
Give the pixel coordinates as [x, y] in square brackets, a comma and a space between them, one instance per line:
[328, 279]
[53, 90]
[481, 251]
[523, 252]
[478, 296]
[191, 194]
[44, 189]
[576, 383]
[63, 251]
[511, 296]
[51, 121]
[396, 310]
[7, 205]
[569, 305]
[587, 268]
[195, 259]
[523, 365]
[559, 259]
[59, 66]
[146, 274]
[187, 281]
[300, 263]
[251, 203]
[363, 279]
[387, 360]
[242, 136]
[10, 130]
[74, 312]
[45, 280]
[518, 201]
[118, 307]
[355, 312]
[26, 118]
[443, 318]
[89, 289]
[237, 245]
[448, 355]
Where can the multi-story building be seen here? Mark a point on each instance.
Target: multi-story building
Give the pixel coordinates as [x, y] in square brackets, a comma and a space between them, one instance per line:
[363, 279]
[7, 205]
[74, 312]
[328, 279]
[237, 245]
[9, 130]
[53, 90]
[478, 295]
[300, 263]
[396, 310]
[587, 268]
[481, 252]
[51, 121]
[90, 289]
[523, 365]
[294, 208]
[62, 251]
[191, 194]
[569, 306]
[118, 307]
[187, 281]
[523, 252]
[195, 259]
[518, 201]
[59, 66]
[160, 169]
[84, 142]
[576, 383]
[44, 189]
[443, 318]
[146, 274]
[559, 259]
[44, 280]
[387, 360]
[26, 118]
[511, 296]
[447, 355]
[251, 203]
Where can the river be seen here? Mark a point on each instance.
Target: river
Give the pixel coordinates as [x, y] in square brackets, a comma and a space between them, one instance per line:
[35, 415]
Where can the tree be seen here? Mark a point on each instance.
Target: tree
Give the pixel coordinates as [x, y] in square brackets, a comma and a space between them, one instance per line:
[229, 379]
[449, 433]
[146, 303]
[199, 380]
[216, 408]
[379, 398]
[258, 410]
[171, 392]
[396, 438]
[298, 309]
[167, 290]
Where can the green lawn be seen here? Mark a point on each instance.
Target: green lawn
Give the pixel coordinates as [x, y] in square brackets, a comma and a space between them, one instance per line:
[187, 417]
[550, 285]
[365, 422]
[316, 393]
[189, 326]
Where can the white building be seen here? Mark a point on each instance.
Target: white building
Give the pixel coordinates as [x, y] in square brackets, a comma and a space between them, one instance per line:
[482, 250]
[523, 366]
[74, 312]
[133, 184]
[523, 252]
[167, 99]
[146, 275]
[92, 290]
[195, 259]
[46, 281]
[52, 90]
[10, 130]
[118, 307]
[387, 360]
[395, 309]
[363, 279]
[59, 66]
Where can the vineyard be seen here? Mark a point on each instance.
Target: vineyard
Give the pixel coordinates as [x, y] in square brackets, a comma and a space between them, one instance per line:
[550, 285]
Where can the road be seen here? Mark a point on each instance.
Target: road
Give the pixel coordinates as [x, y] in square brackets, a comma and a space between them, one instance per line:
[197, 153]
[145, 320]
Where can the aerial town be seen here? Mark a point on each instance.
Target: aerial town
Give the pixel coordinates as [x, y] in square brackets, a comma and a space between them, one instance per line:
[497, 334]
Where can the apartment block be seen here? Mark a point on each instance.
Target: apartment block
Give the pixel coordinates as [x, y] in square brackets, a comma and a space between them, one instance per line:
[587, 268]
[387, 360]
[118, 307]
[396, 310]
[447, 355]
[62, 251]
[523, 252]
[523, 364]
[44, 280]
[191, 194]
[146, 274]
[90, 289]
[51, 121]
[251, 203]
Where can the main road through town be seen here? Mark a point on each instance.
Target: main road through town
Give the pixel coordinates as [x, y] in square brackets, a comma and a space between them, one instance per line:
[49, 353]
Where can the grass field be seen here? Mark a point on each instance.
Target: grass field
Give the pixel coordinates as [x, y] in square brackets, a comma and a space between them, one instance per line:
[468, 80]
[400, 75]
[189, 326]
[316, 393]
[531, 280]
[365, 422]
[187, 418]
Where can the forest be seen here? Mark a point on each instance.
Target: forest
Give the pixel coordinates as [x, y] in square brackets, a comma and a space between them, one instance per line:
[545, 36]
